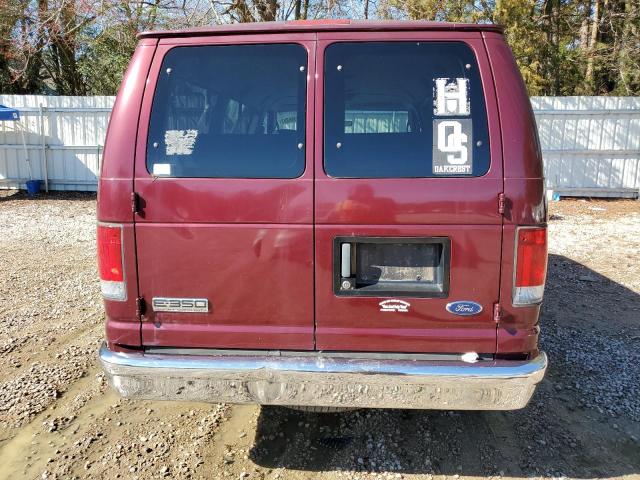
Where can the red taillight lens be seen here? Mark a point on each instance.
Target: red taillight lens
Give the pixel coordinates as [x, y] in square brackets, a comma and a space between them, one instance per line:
[110, 253]
[532, 257]
[110, 266]
[531, 265]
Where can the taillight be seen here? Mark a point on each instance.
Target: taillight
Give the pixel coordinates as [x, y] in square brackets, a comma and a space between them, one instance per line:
[530, 269]
[110, 265]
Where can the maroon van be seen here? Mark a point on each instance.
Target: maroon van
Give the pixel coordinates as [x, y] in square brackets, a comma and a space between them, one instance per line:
[324, 214]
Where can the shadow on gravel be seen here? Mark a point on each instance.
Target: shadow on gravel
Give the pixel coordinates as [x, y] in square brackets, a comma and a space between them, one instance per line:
[21, 195]
[583, 421]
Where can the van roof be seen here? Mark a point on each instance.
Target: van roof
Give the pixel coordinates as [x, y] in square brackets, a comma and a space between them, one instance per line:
[320, 26]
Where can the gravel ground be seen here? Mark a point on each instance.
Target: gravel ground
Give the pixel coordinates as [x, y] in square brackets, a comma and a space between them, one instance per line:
[58, 419]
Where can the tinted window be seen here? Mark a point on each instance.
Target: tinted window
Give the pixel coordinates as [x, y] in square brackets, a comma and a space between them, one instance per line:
[229, 111]
[404, 109]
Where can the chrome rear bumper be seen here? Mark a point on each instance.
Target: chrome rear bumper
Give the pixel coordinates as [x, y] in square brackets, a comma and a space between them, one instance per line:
[322, 380]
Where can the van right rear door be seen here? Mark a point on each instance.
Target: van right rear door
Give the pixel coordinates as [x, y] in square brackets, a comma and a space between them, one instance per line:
[408, 177]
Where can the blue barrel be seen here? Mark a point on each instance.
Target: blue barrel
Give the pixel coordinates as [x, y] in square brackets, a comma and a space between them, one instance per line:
[33, 187]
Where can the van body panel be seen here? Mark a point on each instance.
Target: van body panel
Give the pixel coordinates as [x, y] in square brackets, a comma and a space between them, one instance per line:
[222, 200]
[126, 110]
[115, 183]
[123, 322]
[231, 39]
[115, 187]
[403, 201]
[123, 333]
[522, 342]
[359, 324]
[114, 199]
[518, 329]
[526, 201]
[522, 157]
[244, 244]
[258, 280]
[342, 26]
[524, 192]
[264, 228]
[463, 209]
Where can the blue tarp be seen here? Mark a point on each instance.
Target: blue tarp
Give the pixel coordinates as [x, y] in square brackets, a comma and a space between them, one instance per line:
[9, 114]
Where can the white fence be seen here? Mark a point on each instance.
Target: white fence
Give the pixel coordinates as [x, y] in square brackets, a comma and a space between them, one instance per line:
[64, 138]
[591, 145]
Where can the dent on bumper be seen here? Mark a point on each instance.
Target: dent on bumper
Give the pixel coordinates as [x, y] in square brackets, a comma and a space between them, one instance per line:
[324, 380]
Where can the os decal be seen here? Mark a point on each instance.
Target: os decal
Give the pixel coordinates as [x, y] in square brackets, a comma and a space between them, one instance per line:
[451, 154]
[452, 136]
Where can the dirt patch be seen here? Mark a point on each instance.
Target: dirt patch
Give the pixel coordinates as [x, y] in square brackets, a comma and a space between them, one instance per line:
[58, 419]
[581, 206]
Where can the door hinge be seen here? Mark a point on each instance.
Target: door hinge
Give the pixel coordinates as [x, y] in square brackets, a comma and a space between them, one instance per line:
[135, 202]
[140, 306]
[497, 312]
[501, 203]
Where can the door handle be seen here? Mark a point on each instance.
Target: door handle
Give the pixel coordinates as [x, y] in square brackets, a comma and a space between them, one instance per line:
[345, 260]
[347, 280]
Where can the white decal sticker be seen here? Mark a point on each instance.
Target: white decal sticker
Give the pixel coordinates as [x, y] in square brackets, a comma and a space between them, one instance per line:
[451, 97]
[394, 306]
[162, 169]
[180, 142]
[450, 152]
[452, 141]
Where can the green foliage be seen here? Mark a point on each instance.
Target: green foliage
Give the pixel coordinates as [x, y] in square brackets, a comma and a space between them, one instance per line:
[563, 47]
[105, 60]
[75, 47]
[527, 41]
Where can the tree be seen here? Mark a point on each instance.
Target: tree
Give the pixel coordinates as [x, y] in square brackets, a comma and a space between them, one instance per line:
[563, 47]
[71, 47]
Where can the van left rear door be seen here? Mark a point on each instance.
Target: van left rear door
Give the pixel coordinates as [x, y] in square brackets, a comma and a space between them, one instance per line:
[224, 222]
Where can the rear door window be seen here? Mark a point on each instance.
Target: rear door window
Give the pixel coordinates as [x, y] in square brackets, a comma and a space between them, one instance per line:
[404, 109]
[229, 111]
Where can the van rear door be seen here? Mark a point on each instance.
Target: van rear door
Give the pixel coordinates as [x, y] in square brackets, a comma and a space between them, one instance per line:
[408, 177]
[224, 216]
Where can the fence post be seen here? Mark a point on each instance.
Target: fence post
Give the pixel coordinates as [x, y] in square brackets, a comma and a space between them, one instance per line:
[45, 167]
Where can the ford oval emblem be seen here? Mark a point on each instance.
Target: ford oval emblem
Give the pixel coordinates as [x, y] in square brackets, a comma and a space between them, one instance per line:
[464, 308]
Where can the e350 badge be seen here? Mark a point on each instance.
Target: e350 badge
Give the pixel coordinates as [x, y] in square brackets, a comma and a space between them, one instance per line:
[180, 305]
